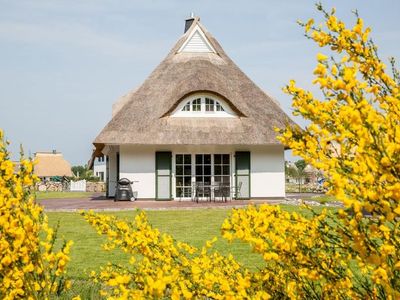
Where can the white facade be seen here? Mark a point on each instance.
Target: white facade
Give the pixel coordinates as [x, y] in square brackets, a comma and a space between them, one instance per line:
[267, 172]
[100, 168]
[138, 163]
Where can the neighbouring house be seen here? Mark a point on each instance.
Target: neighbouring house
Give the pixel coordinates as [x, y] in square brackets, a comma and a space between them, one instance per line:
[288, 175]
[311, 175]
[196, 119]
[51, 165]
[99, 168]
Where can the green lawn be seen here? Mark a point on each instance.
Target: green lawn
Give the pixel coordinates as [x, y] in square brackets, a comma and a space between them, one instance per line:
[192, 226]
[324, 199]
[61, 195]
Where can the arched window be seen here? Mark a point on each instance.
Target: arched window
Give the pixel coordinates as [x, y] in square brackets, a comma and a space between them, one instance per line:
[186, 107]
[196, 104]
[206, 105]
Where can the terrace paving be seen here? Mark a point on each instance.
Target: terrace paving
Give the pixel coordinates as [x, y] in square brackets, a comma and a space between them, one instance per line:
[99, 202]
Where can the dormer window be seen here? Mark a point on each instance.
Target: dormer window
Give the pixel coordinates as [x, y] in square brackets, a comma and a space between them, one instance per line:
[211, 105]
[203, 106]
[196, 104]
[186, 107]
[208, 105]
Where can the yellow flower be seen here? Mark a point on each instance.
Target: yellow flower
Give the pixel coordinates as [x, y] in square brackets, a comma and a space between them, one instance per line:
[308, 25]
[27, 264]
[321, 57]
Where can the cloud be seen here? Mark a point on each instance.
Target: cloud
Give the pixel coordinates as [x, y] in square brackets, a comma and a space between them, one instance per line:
[72, 35]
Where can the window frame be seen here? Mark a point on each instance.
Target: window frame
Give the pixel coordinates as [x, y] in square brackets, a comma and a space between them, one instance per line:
[203, 105]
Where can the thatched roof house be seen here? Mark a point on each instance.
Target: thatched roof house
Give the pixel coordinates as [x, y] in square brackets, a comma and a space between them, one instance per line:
[196, 102]
[51, 164]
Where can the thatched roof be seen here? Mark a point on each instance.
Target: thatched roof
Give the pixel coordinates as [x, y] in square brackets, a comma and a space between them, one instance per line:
[51, 164]
[143, 115]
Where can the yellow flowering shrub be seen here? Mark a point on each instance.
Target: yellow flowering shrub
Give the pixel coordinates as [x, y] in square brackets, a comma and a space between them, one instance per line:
[353, 136]
[29, 266]
[162, 267]
[304, 256]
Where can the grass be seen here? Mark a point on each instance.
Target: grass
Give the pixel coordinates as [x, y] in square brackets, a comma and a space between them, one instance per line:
[294, 188]
[323, 199]
[192, 226]
[62, 195]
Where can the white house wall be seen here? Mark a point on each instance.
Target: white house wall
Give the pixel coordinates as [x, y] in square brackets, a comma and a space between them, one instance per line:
[267, 172]
[100, 167]
[138, 165]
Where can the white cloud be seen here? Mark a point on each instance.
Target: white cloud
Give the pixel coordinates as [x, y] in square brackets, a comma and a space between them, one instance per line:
[72, 35]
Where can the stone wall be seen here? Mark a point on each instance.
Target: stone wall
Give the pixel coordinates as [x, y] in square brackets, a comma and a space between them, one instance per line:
[95, 187]
[52, 186]
[49, 186]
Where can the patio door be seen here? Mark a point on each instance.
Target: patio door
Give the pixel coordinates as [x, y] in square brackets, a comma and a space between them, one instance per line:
[222, 172]
[203, 171]
[243, 174]
[163, 175]
[183, 175]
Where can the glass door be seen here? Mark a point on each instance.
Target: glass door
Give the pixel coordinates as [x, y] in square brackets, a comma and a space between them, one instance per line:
[206, 171]
[222, 172]
[183, 173]
[203, 173]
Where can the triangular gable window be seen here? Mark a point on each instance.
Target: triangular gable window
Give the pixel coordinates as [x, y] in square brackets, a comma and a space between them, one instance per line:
[197, 42]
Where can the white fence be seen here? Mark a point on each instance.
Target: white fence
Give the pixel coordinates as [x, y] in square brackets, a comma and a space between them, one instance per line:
[78, 186]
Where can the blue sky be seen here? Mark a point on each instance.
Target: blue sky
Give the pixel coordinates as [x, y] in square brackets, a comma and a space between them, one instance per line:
[63, 63]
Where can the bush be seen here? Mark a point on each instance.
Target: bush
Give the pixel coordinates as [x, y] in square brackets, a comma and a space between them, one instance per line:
[30, 268]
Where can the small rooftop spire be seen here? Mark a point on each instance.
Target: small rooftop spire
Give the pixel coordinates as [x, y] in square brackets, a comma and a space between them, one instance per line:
[189, 22]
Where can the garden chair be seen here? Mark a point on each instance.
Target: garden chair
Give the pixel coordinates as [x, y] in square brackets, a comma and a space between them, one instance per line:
[235, 192]
[203, 190]
[222, 190]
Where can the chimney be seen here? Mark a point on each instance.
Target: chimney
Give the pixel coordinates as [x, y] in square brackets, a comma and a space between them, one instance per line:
[189, 22]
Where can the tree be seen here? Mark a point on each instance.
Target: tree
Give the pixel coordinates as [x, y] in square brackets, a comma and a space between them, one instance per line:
[297, 172]
[301, 164]
[79, 171]
[82, 172]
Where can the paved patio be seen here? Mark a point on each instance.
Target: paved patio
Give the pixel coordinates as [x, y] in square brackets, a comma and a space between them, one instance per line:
[99, 202]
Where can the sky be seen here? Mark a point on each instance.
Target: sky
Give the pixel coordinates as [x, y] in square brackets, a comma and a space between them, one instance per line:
[64, 63]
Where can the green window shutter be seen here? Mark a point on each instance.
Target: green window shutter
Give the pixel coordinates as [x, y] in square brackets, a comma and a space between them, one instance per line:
[118, 177]
[163, 175]
[242, 167]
